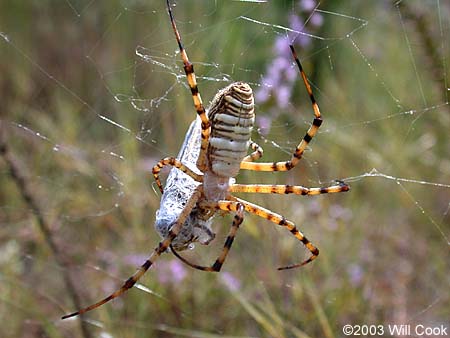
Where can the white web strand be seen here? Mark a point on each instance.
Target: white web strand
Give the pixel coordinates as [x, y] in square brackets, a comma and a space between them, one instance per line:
[377, 75]
[398, 180]
[411, 56]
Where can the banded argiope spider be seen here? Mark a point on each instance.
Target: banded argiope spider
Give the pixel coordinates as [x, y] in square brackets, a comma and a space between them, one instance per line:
[201, 182]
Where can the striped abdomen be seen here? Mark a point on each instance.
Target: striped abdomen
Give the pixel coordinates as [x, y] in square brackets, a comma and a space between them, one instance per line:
[232, 116]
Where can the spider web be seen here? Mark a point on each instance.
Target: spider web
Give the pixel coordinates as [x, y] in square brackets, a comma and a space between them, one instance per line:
[94, 94]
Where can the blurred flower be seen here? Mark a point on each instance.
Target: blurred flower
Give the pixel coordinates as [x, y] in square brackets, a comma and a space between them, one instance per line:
[317, 19]
[296, 24]
[281, 74]
[338, 212]
[171, 272]
[264, 124]
[356, 274]
[307, 5]
[284, 94]
[135, 259]
[231, 282]
[262, 94]
[280, 47]
[315, 207]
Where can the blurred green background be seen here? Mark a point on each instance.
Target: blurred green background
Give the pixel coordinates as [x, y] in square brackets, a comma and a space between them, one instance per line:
[93, 95]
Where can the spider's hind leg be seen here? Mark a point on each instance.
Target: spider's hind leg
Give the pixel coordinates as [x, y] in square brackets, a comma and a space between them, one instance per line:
[280, 220]
[238, 218]
[162, 247]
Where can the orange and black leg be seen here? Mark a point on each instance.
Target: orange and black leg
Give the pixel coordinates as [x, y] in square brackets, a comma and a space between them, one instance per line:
[280, 220]
[312, 131]
[173, 162]
[288, 189]
[198, 104]
[256, 154]
[229, 206]
[162, 247]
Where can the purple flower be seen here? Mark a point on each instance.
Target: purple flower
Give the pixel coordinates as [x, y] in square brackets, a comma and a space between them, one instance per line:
[356, 274]
[338, 212]
[281, 47]
[303, 40]
[279, 65]
[295, 23]
[291, 73]
[316, 20]
[307, 5]
[280, 75]
[135, 260]
[283, 96]
[231, 282]
[262, 94]
[172, 272]
[264, 123]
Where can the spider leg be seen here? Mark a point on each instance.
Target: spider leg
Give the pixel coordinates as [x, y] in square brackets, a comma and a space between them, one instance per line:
[312, 131]
[256, 154]
[238, 218]
[173, 162]
[288, 189]
[162, 246]
[192, 82]
[280, 220]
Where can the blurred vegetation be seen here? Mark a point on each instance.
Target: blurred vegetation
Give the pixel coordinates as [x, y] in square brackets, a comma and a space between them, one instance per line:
[67, 67]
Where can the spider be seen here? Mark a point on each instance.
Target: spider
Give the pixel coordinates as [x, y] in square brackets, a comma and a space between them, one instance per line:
[201, 181]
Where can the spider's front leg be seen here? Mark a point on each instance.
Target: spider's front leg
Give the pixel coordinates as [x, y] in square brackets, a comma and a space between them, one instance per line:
[227, 206]
[162, 247]
[299, 150]
[198, 103]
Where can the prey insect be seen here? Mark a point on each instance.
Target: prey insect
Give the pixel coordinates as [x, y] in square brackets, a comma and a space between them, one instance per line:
[201, 182]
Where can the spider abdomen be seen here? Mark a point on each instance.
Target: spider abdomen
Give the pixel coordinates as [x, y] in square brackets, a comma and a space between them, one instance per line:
[232, 117]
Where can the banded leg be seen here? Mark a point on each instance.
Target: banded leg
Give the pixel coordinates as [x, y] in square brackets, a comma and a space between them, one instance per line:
[288, 189]
[238, 218]
[256, 154]
[163, 245]
[192, 82]
[280, 220]
[312, 131]
[172, 161]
